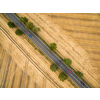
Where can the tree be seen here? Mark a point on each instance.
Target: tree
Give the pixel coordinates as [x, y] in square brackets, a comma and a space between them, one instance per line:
[38, 29]
[11, 24]
[62, 76]
[52, 46]
[79, 74]
[19, 32]
[23, 19]
[35, 30]
[29, 25]
[53, 67]
[67, 62]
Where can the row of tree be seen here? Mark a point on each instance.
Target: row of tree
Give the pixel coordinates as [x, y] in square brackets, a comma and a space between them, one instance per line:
[52, 47]
[29, 25]
[18, 31]
[62, 76]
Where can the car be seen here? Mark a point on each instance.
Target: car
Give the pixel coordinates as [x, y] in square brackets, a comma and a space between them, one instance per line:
[70, 71]
[60, 60]
[82, 83]
[29, 35]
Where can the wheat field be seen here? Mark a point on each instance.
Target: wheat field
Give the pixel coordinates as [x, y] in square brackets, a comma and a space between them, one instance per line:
[77, 37]
[21, 66]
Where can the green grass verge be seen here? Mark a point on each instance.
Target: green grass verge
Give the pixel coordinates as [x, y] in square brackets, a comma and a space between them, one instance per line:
[16, 15]
[37, 48]
[54, 52]
[87, 83]
[73, 83]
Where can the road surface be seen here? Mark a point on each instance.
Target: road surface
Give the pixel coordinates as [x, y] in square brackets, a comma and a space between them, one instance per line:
[45, 49]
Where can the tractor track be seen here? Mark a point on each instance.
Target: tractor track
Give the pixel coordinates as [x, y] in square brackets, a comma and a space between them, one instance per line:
[30, 59]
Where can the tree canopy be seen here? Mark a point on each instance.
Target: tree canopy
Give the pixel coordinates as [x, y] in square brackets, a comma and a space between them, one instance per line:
[67, 62]
[62, 76]
[79, 74]
[19, 32]
[53, 67]
[29, 25]
[52, 46]
[11, 24]
[36, 29]
[23, 19]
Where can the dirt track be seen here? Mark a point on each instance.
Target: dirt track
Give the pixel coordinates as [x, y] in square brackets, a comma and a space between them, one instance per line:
[77, 37]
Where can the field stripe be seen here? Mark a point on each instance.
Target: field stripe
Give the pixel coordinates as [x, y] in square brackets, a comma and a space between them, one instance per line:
[74, 18]
[30, 59]
[20, 83]
[3, 55]
[7, 71]
[28, 81]
[13, 77]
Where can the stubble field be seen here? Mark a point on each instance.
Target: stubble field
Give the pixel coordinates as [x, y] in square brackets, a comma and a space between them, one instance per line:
[21, 65]
[77, 37]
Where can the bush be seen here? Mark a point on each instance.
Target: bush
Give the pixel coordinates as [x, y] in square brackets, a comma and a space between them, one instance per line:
[52, 47]
[79, 74]
[19, 32]
[62, 76]
[54, 67]
[11, 24]
[23, 19]
[29, 25]
[36, 29]
[67, 62]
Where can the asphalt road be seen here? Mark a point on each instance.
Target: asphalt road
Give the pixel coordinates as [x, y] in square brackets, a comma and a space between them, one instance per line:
[45, 49]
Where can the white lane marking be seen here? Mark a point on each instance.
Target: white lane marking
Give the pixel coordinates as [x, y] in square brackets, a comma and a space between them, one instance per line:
[77, 80]
[47, 47]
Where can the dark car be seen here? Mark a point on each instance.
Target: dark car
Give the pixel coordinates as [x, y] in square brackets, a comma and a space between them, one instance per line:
[82, 83]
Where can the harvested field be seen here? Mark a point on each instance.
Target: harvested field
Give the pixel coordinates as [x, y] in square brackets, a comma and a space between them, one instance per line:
[25, 66]
[77, 37]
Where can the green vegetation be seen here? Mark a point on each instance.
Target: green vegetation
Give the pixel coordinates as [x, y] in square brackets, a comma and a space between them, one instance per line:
[72, 83]
[79, 74]
[11, 24]
[39, 50]
[52, 46]
[19, 32]
[62, 76]
[29, 26]
[54, 67]
[88, 84]
[67, 62]
[16, 15]
[23, 19]
[35, 30]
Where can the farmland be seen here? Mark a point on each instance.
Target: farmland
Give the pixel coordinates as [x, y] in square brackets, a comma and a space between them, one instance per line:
[77, 37]
[21, 65]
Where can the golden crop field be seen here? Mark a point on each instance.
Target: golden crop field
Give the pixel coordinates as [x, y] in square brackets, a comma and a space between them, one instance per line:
[77, 37]
[13, 76]
[85, 30]
[21, 66]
